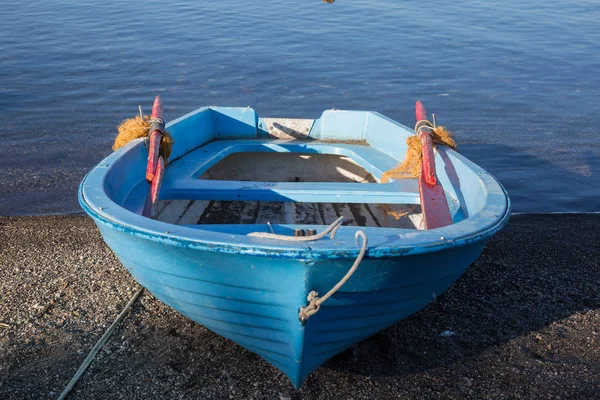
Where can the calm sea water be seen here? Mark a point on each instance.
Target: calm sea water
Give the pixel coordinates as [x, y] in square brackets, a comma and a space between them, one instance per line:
[518, 82]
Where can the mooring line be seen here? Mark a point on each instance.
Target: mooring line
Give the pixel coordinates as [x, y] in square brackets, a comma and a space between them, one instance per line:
[88, 360]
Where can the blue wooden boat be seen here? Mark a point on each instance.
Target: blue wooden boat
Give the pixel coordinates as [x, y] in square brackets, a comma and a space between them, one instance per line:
[236, 184]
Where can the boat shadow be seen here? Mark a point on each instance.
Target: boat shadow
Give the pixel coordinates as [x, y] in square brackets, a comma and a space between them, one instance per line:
[526, 280]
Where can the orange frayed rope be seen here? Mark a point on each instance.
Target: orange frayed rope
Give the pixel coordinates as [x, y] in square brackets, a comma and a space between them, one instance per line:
[411, 166]
[139, 127]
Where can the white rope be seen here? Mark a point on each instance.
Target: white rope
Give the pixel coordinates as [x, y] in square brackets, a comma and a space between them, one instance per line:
[88, 360]
[157, 120]
[423, 124]
[314, 301]
[331, 228]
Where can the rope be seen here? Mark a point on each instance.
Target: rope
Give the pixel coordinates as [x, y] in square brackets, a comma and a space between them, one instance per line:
[331, 228]
[157, 120]
[140, 127]
[423, 124]
[88, 360]
[411, 165]
[314, 301]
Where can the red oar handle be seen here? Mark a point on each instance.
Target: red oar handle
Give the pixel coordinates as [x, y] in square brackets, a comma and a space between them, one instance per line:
[428, 166]
[157, 130]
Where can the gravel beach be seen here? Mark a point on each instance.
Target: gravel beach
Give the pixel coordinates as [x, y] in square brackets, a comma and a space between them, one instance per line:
[523, 322]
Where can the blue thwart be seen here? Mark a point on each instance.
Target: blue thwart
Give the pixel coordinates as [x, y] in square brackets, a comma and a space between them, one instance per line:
[250, 288]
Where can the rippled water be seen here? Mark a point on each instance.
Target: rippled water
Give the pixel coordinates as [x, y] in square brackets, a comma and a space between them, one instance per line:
[517, 82]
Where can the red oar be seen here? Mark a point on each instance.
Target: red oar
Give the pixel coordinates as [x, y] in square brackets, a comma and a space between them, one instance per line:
[155, 168]
[433, 199]
[157, 181]
[428, 166]
[156, 132]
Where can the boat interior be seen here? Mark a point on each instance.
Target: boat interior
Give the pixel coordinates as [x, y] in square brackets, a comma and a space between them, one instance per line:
[231, 167]
[300, 168]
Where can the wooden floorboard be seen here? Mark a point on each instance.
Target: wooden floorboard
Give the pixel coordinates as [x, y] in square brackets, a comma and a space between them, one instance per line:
[307, 213]
[328, 214]
[186, 212]
[173, 211]
[343, 210]
[272, 212]
[361, 215]
[193, 213]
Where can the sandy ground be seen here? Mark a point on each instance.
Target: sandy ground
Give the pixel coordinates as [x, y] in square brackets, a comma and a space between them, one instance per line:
[526, 318]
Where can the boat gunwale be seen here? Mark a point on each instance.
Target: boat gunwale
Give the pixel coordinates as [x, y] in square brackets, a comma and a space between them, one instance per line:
[482, 226]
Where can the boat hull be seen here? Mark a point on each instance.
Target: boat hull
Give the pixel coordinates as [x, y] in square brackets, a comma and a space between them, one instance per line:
[254, 300]
[250, 288]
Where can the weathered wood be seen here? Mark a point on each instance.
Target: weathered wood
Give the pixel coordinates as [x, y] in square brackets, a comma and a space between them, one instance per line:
[193, 213]
[173, 211]
[414, 218]
[249, 212]
[361, 215]
[272, 212]
[307, 213]
[342, 210]
[381, 214]
[186, 212]
[159, 207]
[222, 212]
[327, 212]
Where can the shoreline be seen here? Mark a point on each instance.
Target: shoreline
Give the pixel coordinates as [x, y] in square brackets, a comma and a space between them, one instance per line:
[525, 317]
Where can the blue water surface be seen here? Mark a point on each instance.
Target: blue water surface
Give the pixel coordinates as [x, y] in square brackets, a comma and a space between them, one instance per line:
[516, 81]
